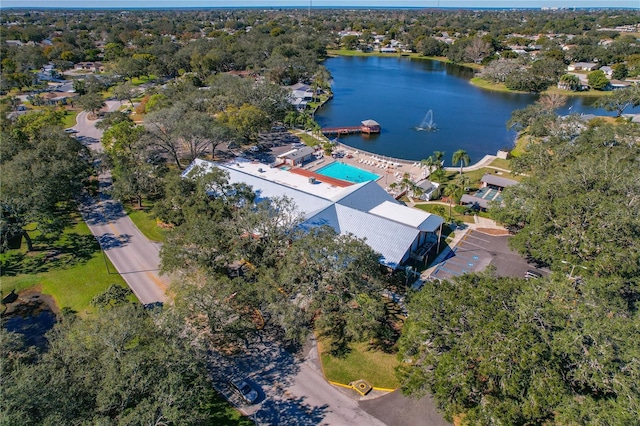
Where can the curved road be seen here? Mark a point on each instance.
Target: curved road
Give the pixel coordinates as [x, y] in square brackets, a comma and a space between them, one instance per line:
[133, 255]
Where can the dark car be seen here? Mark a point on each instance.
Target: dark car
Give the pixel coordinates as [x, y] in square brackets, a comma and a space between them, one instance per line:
[532, 274]
[245, 390]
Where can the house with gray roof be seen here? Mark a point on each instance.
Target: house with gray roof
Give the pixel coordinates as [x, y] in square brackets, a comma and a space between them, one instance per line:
[364, 210]
[490, 190]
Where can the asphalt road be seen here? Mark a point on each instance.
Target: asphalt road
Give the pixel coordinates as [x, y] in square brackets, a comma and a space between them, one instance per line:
[133, 255]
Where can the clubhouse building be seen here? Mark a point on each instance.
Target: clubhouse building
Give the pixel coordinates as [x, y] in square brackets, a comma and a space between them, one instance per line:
[364, 210]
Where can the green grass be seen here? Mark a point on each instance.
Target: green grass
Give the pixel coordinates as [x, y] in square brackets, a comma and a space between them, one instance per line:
[223, 414]
[501, 163]
[146, 221]
[496, 87]
[69, 119]
[500, 87]
[475, 176]
[456, 214]
[72, 269]
[376, 367]
[136, 81]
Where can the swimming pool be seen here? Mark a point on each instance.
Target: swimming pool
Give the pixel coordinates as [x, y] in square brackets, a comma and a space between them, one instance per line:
[347, 172]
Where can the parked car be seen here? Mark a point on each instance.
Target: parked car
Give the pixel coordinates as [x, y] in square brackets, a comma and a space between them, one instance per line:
[70, 130]
[246, 390]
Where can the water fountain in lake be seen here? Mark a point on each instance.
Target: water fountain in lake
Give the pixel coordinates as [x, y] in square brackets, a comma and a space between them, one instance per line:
[427, 124]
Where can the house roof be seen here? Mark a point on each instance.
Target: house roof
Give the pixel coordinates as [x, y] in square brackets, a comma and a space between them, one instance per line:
[497, 180]
[370, 123]
[470, 199]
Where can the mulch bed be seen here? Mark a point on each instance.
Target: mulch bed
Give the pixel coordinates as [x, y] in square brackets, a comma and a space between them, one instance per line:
[493, 231]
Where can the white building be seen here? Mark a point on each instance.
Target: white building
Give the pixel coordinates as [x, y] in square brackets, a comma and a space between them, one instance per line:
[364, 210]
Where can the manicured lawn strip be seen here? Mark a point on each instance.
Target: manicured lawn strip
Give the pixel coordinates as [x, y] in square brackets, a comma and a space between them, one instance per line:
[72, 279]
[475, 176]
[500, 87]
[501, 163]
[432, 208]
[146, 222]
[496, 87]
[69, 118]
[376, 367]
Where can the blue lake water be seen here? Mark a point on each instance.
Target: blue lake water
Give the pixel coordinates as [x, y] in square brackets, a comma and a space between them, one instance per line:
[347, 173]
[399, 92]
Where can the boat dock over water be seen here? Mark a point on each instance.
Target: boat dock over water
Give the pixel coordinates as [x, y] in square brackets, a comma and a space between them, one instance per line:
[367, 126]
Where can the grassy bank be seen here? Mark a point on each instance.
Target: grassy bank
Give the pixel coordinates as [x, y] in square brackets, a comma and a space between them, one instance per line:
[499, 87]
[72, 269]
[146, 222]
[376, 367]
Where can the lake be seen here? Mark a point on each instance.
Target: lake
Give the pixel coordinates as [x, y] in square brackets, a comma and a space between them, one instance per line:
[398, 93]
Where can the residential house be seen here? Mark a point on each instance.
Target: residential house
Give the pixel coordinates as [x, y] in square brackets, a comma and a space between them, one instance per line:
[490, 190]
[582, 66]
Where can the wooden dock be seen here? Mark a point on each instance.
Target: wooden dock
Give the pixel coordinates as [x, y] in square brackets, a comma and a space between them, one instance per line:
[346, 130]
[367, 126]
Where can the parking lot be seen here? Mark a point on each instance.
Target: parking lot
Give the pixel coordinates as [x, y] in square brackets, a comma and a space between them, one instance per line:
[476, 251]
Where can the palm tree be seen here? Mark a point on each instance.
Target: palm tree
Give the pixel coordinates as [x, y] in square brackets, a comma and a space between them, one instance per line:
[461, 156]
[453, 192]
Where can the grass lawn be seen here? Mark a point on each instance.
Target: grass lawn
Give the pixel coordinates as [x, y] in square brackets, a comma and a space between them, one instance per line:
[136, 81]
[434, 209]
[72, 269]
[69, 119]
[475, 176]
[376, 367]
[146, 221]
[501, 163]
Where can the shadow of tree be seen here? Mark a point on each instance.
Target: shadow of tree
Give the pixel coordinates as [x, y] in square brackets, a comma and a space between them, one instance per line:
[292, 411]
[110, 241]
[70, 250]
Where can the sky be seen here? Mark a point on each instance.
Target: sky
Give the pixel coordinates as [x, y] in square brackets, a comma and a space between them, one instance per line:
[102, 4]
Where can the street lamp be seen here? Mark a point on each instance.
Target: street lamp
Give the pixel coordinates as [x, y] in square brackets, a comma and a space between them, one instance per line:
[573, 267]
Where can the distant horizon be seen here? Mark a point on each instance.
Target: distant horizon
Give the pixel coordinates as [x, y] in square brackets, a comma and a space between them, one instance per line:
[377, 4]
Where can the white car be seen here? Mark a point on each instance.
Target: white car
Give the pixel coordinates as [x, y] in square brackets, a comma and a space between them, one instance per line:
[247, 392]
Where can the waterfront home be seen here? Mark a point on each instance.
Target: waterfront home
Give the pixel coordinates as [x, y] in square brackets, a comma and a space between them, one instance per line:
[365, 210]
[491, 187]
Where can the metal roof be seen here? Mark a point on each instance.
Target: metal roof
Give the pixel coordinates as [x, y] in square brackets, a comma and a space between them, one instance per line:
[364, 210]
[470, 199]
[391, 239]
[415, 218]
[498, 181]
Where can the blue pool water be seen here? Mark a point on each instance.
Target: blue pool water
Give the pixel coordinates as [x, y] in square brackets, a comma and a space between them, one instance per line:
[346, 172]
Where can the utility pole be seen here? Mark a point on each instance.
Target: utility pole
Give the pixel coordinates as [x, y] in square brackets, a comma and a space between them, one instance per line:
[573, 267]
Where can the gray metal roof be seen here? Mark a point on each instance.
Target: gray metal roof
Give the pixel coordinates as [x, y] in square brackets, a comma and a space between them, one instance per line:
[498, 181]
[470, 199]
[299, 153]
[391, 239]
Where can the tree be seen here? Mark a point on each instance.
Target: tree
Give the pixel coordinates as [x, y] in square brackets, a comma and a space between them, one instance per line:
[620, 100]
[579, 191]
[125, 92]
[460, 156]
[570, 82]
[117, 367]
[248, 120]
[552, 101]
[91, 102]
[597, 80]
[42, 170]
[477, 50]
[620, 71]
[453, 192]
[510, 351]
